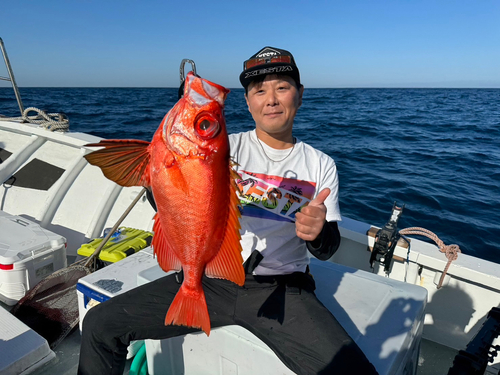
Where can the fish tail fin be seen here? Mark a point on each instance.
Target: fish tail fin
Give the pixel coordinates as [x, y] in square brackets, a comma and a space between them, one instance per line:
[189, 308]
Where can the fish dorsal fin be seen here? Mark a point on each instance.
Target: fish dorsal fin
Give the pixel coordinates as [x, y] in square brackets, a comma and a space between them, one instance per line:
[125, 162]
[228, 263]
[166, 257]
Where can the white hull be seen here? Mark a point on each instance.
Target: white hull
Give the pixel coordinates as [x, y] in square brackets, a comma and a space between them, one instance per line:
[82, 202]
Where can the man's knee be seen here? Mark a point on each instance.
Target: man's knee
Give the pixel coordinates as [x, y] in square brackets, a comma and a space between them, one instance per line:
[93, 321]
[99, 324]
[102, 329]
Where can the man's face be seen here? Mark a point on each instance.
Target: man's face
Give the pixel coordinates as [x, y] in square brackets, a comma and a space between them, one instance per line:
[273, 104]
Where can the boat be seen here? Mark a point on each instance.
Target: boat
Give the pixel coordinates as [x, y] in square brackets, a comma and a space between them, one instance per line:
[49, 186]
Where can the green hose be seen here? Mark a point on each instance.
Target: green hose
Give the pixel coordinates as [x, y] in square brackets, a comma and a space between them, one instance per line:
[139, 365]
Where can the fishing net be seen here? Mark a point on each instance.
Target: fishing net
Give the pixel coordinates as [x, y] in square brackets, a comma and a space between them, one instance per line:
[51, 307]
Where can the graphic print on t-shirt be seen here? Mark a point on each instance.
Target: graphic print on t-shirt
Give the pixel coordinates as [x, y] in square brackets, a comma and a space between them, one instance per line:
[273, 197]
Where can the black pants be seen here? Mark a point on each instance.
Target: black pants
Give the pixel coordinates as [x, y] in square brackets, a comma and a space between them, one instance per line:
[282, 311]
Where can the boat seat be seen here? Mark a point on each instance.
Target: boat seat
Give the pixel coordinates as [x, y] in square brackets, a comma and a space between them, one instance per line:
[384, 317]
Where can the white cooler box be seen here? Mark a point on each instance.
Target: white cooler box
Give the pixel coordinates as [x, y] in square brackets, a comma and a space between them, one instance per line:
[22, 350]
[28, 253]
[385, 317]
[111, 281]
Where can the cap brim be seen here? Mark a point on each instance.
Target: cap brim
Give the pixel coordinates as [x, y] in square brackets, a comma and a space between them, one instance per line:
[247, 76]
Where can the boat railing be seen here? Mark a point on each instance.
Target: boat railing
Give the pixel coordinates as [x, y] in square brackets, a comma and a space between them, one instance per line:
[50, 121]
[11, 77]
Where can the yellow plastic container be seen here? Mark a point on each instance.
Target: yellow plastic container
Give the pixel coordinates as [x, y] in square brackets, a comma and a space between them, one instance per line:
[124, 242]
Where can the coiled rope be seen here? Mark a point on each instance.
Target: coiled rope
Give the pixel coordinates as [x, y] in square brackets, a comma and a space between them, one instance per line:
[50, 121]
[450, 251]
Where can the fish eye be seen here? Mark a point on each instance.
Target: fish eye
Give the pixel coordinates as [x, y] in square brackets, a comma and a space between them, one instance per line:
[206, 126]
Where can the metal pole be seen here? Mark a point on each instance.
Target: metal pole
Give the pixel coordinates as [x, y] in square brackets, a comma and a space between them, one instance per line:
[11, 75]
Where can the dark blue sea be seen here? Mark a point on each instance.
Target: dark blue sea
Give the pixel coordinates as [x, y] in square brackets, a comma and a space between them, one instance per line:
[435, 150]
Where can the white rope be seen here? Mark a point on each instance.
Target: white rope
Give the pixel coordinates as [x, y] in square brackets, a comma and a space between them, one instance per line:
[50, 121]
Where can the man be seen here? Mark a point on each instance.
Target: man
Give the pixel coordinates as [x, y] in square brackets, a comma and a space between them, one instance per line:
[290, 206]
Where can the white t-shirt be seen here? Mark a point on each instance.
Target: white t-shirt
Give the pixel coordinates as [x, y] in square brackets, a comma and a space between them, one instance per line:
[273, 191]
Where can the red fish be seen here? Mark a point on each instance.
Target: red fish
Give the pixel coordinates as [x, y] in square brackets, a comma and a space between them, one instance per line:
[188, 168]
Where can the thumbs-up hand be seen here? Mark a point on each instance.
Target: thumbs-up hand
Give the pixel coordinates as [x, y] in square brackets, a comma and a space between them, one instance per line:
[310, 220]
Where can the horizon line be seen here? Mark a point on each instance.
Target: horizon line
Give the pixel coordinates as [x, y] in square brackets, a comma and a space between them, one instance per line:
[241, 88]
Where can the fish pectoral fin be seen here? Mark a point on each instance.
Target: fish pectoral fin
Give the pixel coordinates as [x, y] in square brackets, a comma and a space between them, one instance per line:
[167, 259]
[177, 179]
[125, 162]
[228, 263]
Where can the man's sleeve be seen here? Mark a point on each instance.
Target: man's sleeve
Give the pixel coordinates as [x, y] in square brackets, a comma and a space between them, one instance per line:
[327, 243]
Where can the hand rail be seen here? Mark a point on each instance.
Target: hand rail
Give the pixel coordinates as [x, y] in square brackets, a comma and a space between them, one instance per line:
[11, 77]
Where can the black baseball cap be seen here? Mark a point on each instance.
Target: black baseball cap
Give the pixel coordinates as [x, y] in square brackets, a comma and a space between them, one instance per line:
[269, 60]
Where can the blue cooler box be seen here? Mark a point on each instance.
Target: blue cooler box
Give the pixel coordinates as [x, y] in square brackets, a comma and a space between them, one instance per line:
[111, 281]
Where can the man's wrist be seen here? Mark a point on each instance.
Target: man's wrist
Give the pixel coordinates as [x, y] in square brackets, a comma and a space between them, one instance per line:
[327, 242]
[318, 241]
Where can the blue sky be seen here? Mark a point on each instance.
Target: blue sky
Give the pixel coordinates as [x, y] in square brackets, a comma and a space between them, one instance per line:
[348, 43]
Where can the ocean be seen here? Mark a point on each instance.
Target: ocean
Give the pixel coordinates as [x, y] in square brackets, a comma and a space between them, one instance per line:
[435, 150]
